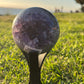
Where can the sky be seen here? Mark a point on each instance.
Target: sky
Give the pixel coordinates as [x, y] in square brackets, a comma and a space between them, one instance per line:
[47, 4]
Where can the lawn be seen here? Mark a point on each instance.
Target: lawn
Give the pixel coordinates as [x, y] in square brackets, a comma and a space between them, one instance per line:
[63, 65]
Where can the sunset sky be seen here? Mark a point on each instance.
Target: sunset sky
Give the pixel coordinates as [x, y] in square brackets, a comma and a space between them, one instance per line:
[48, 4]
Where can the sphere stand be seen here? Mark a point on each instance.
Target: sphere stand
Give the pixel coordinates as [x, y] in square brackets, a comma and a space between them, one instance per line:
[35, 62]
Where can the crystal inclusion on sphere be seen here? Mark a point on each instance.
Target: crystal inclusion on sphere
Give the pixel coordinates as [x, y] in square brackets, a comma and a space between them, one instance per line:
[35, 29]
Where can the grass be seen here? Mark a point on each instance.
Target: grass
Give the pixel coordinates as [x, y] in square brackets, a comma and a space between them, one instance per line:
[63, 65]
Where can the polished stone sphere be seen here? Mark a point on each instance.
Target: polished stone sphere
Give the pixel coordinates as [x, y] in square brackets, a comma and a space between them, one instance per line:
[35, 29]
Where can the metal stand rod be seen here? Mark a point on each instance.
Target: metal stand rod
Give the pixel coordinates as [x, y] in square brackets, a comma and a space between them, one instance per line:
[35, 77]
[34, 69]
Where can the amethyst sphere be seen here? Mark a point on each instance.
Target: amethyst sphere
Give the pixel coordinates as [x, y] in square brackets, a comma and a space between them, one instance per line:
[35, 29]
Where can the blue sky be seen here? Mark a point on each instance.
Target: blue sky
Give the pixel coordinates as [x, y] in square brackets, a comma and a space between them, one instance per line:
[48, 4]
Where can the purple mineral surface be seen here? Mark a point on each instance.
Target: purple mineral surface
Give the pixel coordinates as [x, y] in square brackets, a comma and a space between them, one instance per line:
[35, 29]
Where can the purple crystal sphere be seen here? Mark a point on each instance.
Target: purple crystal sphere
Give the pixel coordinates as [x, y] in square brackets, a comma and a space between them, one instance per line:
[35, 29]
